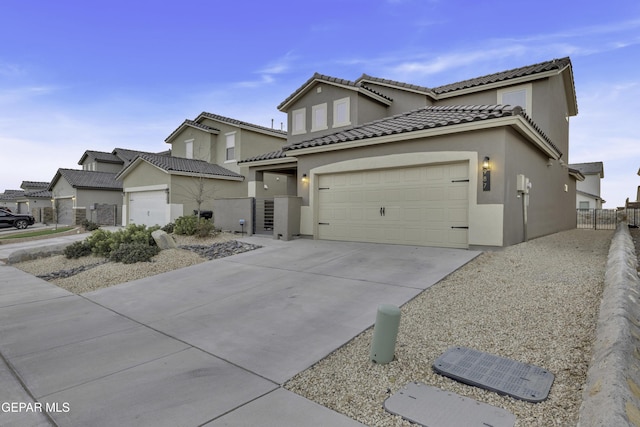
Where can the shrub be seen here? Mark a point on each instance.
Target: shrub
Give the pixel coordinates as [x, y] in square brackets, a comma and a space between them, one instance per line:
[189, 225]
[168, 228]
[130, 253]
[77, 250]
[103, 242]
[89, 225]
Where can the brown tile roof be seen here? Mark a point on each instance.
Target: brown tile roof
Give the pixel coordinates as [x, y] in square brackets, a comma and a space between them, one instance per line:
[555, 64]
[420, 119]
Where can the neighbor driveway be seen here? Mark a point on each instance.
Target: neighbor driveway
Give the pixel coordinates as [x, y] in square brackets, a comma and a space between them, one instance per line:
[205, 345]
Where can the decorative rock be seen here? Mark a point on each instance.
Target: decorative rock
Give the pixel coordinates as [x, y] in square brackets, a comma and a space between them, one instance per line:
[221, 250]
[163, 240]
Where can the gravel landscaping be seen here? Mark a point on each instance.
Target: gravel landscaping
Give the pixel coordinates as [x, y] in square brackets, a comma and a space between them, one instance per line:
[536, 302]
[90, 273]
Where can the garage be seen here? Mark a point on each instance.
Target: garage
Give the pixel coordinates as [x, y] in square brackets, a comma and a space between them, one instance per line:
[148, 208]
[425, 205]
[64, 212]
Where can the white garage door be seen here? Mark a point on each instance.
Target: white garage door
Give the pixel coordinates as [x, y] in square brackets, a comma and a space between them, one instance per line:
[426, 206]
[148, 208]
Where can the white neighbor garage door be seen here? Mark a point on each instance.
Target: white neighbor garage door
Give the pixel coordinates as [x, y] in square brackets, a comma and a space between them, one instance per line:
[426, 206]
[148, 208]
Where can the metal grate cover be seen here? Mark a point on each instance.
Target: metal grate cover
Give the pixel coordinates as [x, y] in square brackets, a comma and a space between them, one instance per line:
[432, 407]
[495, 373]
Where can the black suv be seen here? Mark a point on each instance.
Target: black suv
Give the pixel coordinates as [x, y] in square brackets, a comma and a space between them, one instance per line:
[21, 221]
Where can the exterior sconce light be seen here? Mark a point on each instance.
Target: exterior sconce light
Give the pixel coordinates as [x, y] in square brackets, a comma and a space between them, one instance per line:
[486, 174]
[305, 179]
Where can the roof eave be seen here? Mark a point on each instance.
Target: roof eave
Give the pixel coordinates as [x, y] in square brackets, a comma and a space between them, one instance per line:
[206, 175]
[269, 162]
[134, 164]
[186, 125]
[284, 106]
[517, 122]
[244, 125]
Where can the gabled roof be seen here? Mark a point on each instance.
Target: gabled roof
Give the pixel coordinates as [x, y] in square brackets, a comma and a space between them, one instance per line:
[197, 124]
[83, 179]
[529, 70]
[129, 155]
[362, 80]
[279, 154]
[502, 78]
[426, 118]
[181, 166]
[334, 81]
[193, 124]
[100, 156]
[40, 194]
[592, 168]
[34, 184]
[11, 194]
[243, 125]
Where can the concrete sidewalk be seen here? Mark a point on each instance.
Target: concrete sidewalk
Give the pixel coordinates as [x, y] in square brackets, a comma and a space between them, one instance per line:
[206, 345]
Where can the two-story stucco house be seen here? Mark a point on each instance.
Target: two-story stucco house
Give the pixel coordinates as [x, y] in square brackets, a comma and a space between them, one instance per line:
[203, 166]
[475, 163]
[588, 190]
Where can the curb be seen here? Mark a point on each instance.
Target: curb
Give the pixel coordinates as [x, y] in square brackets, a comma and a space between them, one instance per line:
[611, 396]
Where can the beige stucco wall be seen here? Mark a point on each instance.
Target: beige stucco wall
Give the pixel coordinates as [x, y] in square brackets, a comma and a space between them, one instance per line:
[495, 216]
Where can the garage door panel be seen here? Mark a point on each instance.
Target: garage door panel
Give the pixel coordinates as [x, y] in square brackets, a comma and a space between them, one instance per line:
[148, 208]
[421, 204]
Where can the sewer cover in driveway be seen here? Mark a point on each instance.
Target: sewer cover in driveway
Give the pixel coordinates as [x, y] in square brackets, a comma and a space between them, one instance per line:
[433, 407]
[495, 373]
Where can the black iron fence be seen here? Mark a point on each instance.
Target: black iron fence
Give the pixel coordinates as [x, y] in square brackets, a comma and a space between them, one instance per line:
[607, 219]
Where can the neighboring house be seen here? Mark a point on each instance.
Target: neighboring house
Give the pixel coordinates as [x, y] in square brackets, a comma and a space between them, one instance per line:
[203, 166]
[10, 199]
[588, 190]
[78, 195]
[470, 164]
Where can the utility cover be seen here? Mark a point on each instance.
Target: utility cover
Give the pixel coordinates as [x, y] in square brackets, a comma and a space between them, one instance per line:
[495, 373]
[432, 407]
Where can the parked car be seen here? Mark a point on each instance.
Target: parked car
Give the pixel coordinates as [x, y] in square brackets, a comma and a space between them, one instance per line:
[21, 221]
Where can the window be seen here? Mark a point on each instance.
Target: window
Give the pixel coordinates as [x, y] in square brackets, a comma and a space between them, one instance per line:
[231, 146]
[584, 205]
[516, 95]
[318, 117]
[188, 147]
[298, 121]
[341, 112]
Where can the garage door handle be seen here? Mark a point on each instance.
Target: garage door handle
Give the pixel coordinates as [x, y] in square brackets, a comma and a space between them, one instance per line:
[460, 227]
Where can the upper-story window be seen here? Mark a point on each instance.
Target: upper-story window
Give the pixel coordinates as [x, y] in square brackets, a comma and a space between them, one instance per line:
[318, 117]
[341, 112]
[231, 146]
[298, 121]
[188, 149]
[516, 95]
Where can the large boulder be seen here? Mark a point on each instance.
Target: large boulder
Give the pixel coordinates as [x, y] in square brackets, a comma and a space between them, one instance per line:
[163, 240]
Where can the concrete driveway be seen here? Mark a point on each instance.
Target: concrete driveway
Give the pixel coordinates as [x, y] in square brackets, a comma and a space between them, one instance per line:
[206, 345]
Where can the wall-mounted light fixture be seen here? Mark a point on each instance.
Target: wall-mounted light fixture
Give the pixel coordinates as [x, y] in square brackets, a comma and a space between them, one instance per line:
[486, 174]
[305, 179]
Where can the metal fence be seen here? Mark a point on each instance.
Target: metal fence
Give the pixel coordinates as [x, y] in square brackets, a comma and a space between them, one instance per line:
[606, 219]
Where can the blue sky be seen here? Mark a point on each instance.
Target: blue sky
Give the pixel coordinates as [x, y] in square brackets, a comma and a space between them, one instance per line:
[78, 75]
